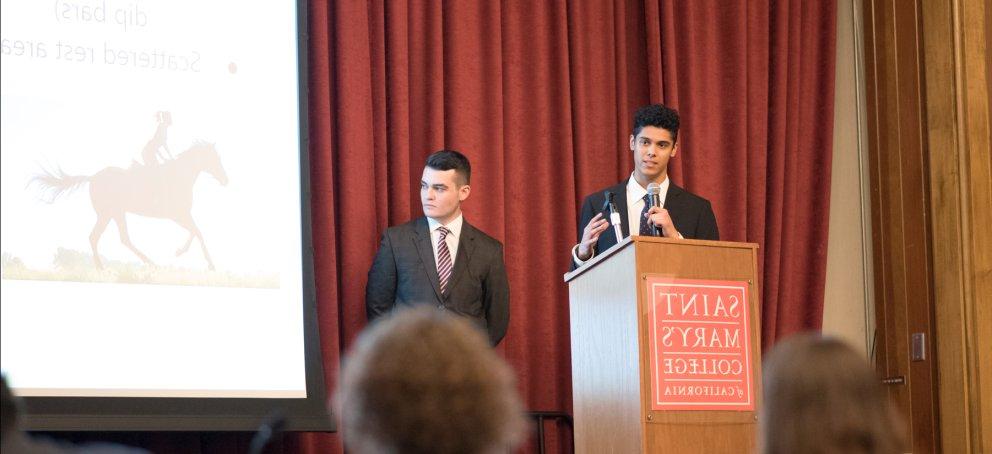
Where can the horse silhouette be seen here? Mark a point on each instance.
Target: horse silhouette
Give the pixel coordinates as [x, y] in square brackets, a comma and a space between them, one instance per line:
[163, 191]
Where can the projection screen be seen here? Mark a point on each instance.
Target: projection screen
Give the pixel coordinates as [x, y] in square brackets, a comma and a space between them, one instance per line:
[156, 272]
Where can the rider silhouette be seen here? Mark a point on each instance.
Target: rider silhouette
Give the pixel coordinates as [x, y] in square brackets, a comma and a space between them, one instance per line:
[152, 153]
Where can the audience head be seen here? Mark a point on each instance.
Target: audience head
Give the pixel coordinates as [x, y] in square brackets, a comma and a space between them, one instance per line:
[10, 408]
[820, 396]
[423, 381]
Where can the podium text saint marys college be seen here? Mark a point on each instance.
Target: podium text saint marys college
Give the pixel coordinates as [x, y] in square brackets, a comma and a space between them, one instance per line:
[699, 342]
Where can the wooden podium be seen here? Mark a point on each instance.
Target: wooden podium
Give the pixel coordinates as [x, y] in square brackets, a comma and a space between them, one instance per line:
[615, 334]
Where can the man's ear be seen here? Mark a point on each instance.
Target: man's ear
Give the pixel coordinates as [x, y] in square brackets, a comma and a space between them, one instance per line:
[463, 192]
[675, 148]
[631, 142]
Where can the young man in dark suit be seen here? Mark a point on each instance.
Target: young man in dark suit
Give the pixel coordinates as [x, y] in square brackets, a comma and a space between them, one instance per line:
[439, 259]
[653, 142]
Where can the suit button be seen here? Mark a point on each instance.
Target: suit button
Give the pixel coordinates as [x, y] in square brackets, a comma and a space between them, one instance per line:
[440, 307]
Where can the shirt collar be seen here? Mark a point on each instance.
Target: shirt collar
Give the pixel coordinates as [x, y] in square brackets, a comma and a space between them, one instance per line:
[455, 226]
[636, 192]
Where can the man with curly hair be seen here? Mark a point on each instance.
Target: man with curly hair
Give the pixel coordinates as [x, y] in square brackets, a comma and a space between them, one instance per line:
[682, 214]
[423, 381]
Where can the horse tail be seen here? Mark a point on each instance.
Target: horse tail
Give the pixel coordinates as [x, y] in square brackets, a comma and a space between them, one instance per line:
[55, 184]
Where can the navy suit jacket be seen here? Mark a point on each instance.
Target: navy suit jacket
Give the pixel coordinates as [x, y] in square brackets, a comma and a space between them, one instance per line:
[692, 215]
[404, 274]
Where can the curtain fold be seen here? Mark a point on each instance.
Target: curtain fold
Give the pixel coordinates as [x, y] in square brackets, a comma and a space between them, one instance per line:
[539, 96]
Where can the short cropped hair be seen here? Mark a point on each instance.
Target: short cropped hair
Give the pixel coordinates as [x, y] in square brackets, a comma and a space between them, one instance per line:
[423, 381]
[820, 396]
[659, 116]
[451, 160]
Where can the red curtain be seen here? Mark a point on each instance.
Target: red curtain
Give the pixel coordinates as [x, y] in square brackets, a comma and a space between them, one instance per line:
[539, 95]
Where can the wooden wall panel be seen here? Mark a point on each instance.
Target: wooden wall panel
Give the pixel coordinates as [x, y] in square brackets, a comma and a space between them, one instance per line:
[900, 209]
[957, 73]
[927, 69]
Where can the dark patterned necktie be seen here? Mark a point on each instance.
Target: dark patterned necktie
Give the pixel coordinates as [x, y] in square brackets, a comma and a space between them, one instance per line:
[646, 229]
[443, 259]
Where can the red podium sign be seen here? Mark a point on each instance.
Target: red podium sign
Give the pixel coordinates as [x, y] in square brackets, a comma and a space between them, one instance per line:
[699, 342]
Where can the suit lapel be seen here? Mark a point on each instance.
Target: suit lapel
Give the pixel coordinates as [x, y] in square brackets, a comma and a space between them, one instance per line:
[422, 241]
[672, 200]
[466, 245]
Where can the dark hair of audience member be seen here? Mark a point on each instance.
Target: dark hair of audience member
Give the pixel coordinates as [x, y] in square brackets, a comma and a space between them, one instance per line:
[820, 396]
[10, 410]
[423, 381]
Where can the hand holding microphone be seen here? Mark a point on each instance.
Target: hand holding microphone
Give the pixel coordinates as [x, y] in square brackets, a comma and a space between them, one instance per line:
[597, 225]
[658, 216]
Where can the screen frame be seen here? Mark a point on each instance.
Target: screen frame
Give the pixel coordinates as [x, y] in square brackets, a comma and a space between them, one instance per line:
[217, 414]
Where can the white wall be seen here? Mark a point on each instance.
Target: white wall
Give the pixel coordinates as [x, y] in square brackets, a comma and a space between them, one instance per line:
[847, 302]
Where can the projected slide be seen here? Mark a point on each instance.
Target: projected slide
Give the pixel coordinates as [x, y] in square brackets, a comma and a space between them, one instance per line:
[150, 162]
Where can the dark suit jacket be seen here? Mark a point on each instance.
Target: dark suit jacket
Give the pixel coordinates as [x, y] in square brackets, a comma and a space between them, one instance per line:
[404, 274]
[693, 216]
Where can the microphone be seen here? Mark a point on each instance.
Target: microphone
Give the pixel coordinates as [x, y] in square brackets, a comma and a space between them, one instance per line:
[614, 215]
[270, 430]
[654, 196]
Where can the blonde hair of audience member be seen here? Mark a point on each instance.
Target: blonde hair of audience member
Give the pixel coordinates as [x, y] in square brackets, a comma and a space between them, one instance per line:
[821, 397]
[422, 381]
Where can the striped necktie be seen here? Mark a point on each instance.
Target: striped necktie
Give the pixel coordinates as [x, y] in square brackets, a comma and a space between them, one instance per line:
[443, 259]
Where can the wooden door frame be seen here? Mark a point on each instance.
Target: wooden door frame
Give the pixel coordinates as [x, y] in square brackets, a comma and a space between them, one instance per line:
[927, 69]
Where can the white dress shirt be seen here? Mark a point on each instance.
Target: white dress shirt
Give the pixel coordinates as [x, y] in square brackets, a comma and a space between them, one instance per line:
[635, 202]
[455, 227]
